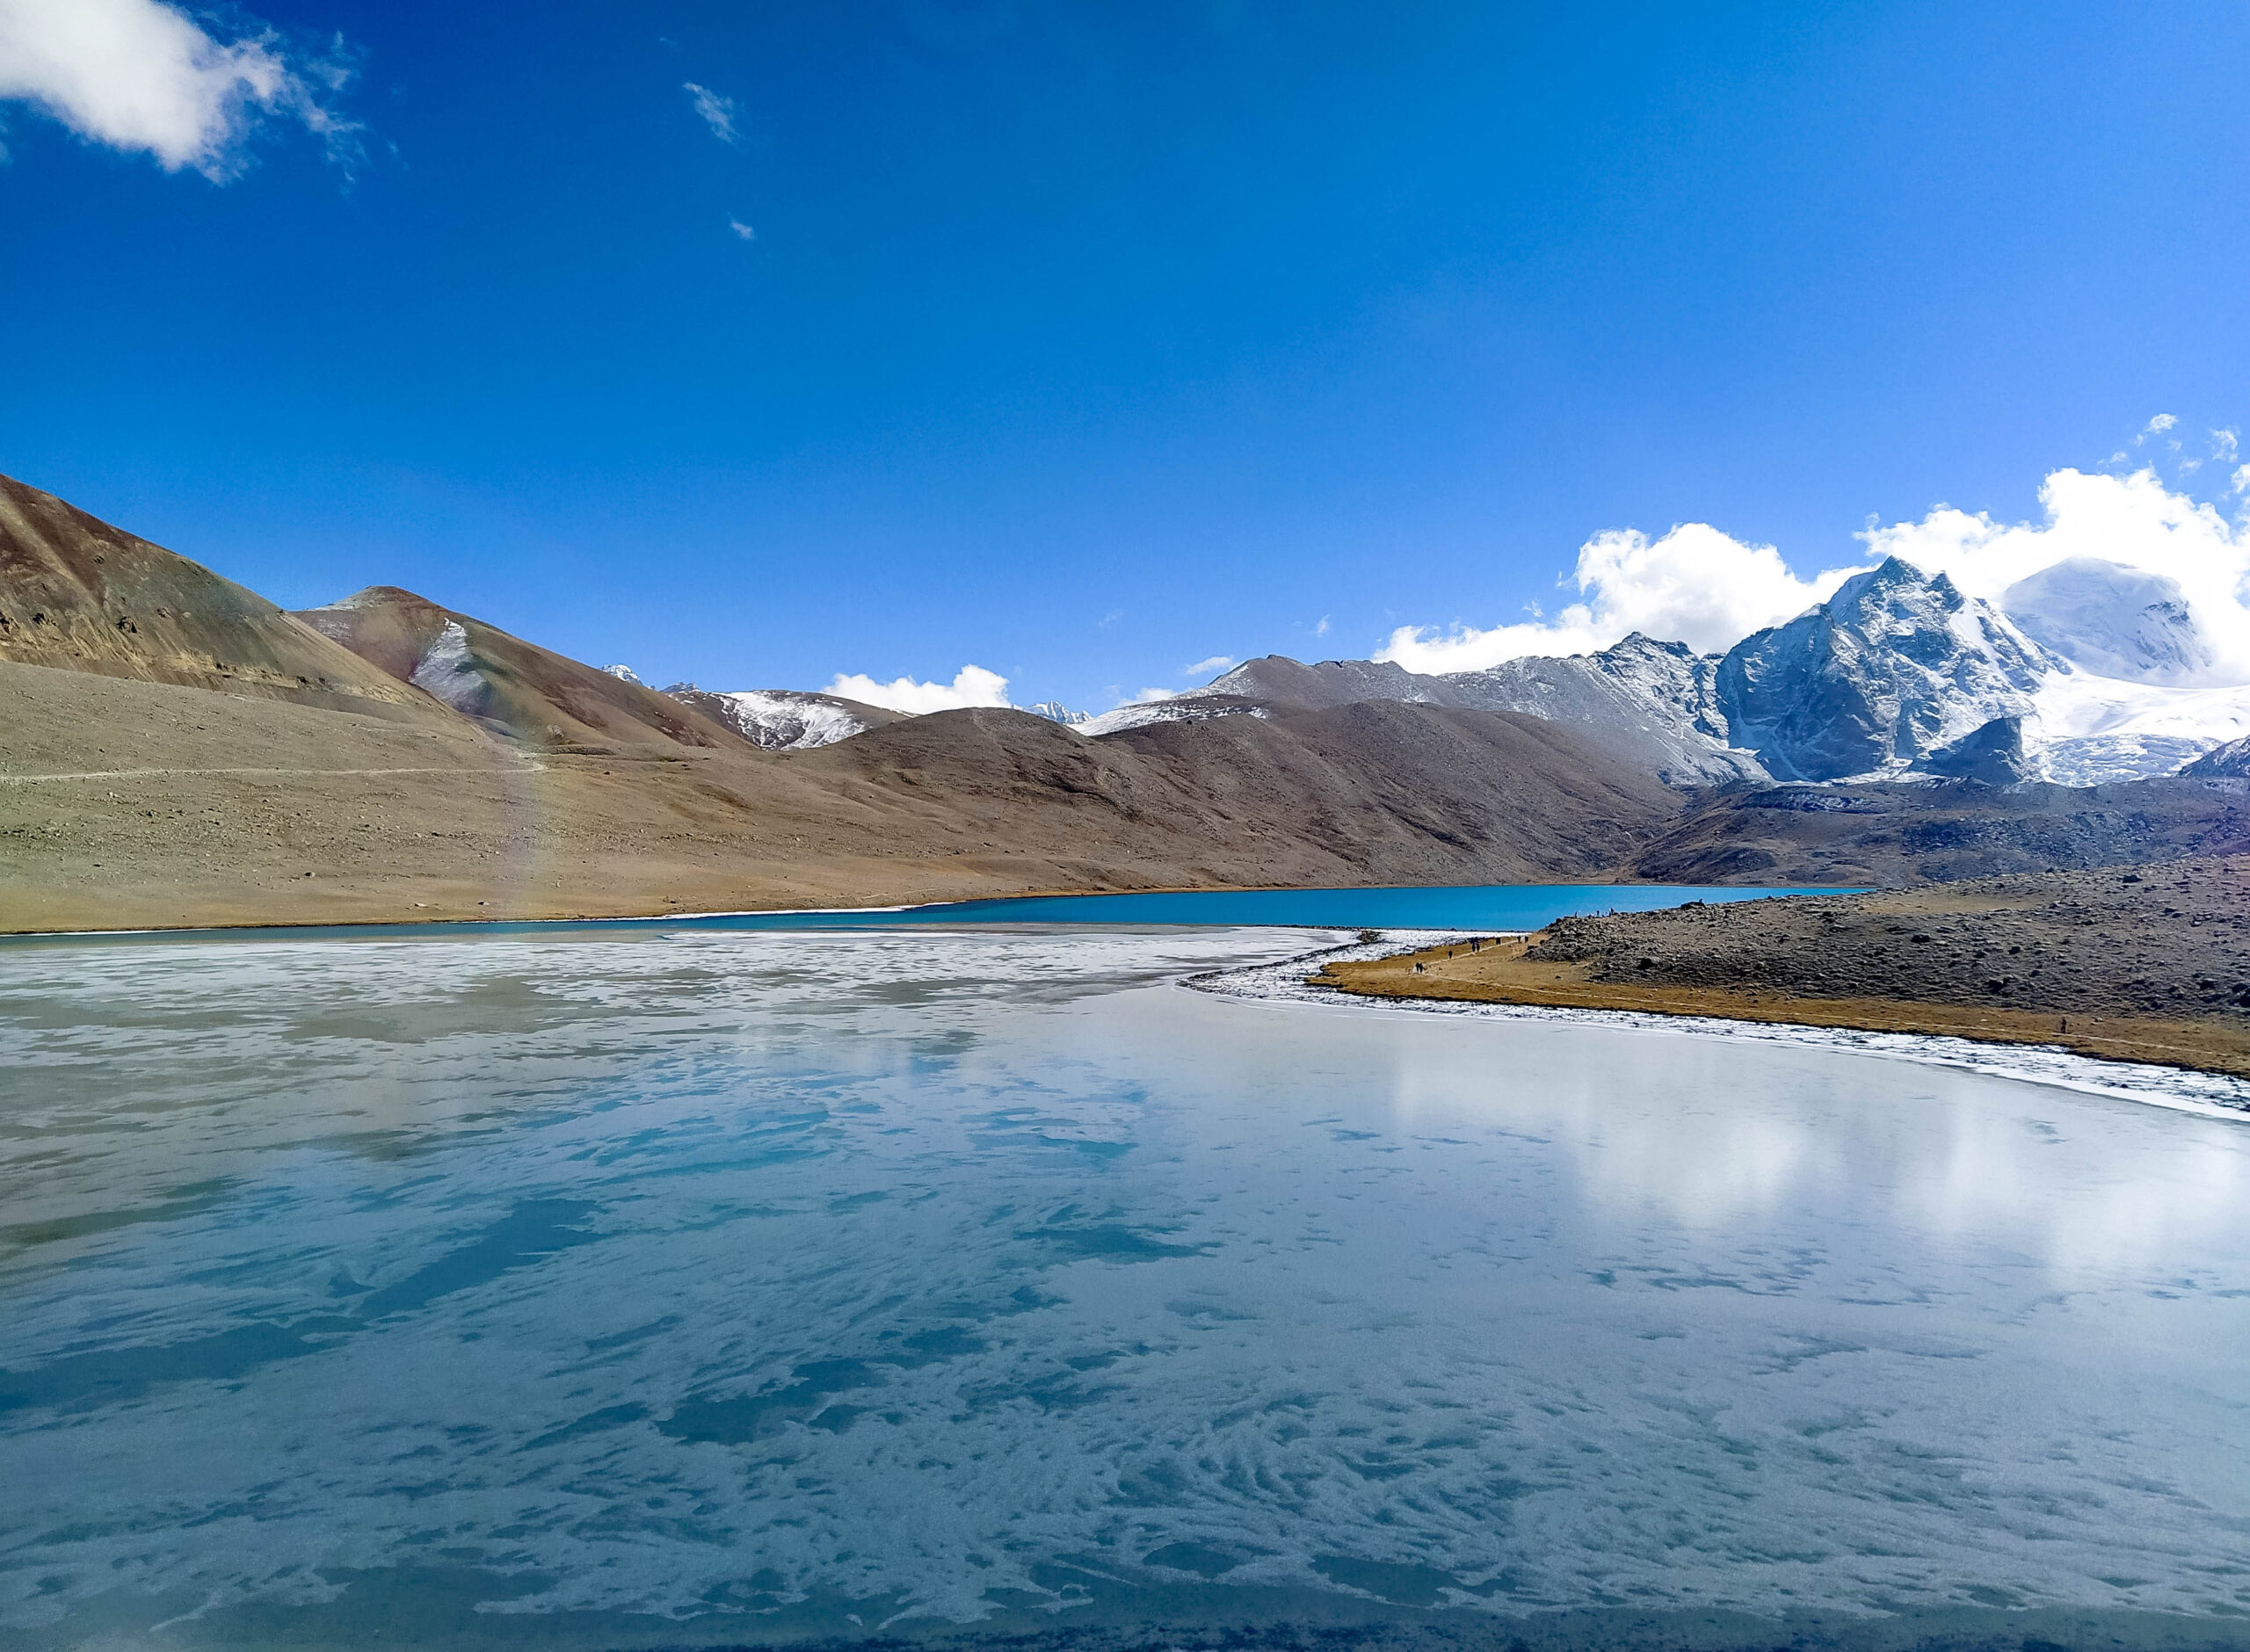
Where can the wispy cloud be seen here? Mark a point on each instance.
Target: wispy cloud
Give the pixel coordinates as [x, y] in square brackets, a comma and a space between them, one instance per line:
[1321, 630]
[972, 685]
[717, 112]
[1217, 663]
[145, 78]
[742, 229]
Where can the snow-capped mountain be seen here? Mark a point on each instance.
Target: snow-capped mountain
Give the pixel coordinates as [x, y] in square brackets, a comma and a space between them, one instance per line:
[2087, 678]
[1055, 711]
[1197, 705]
[1893, 667]
[1659, 699]
[1654, 700]
[2229, 761]
[782, 719]
[2111, 620]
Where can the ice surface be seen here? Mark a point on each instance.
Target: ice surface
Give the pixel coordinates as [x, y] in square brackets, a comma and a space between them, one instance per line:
[700, 1286]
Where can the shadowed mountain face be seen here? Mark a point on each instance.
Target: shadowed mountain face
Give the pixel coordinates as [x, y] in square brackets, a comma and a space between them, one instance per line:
[2231, 761]
[517, 688]
[78, 594]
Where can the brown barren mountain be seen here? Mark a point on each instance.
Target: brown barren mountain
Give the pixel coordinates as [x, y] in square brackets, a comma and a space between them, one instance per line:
[175, 750]
[529, 693]
[78, 594]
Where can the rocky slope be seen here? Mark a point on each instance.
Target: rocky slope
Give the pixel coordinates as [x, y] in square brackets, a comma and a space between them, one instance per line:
[427, 763]
[128, 804]
[517, 689]
[2231, 761]
[1647, 702]
[1933, 832]
[2145, 963]
[1895, 665]
[2146, 939]
[1897, 674]
[782, 719]
[80, 595]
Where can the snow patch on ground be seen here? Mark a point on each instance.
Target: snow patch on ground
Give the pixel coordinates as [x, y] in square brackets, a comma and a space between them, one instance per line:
[445, 672]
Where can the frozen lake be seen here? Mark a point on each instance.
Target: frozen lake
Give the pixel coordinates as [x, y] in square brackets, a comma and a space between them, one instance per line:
[723, 1287]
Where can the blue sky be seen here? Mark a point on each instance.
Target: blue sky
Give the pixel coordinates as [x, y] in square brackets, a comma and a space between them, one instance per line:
[1087, 342]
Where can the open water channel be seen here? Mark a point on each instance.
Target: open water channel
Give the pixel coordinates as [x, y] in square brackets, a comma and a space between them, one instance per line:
[694, 1287]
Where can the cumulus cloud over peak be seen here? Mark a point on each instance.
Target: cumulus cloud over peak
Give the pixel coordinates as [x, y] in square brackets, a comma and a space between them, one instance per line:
[1696, 585]
[2133, 520]
[145, 77]
[972, 685]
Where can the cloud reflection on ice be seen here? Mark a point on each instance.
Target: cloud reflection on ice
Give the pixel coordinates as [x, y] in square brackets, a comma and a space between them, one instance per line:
[766, 1281]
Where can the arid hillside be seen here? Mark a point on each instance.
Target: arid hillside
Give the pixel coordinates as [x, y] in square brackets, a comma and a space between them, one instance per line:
[175, 750]
[534, 695]
[80, 595]
[192, 807]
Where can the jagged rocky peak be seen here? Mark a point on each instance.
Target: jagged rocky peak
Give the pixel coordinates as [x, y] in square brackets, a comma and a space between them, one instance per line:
[1893, 667]
[624, 674]
[2111, 619]
[1055, 711]
[2229, 761]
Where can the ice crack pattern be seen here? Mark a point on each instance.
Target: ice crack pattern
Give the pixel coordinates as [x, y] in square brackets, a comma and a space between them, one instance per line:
[722, 1288]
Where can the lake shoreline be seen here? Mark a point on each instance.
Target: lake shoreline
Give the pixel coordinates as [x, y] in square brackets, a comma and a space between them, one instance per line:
[1311, 979]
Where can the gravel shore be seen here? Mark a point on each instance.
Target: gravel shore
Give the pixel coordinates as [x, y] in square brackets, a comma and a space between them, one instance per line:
[2147, 963]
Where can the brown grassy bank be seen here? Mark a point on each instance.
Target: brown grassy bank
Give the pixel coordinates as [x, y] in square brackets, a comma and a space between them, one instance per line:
[2146, 964]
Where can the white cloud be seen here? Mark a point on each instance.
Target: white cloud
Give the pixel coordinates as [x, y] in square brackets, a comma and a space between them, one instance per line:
[972, 685]
[1698, 585]
[2131, 519]
[1321, 630]
[742, 229]
[718, 113]
[144, 78]
[1217, 663]
[1694, 585]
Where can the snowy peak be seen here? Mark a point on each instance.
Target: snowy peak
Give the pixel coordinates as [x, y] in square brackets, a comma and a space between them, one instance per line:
[1657, 699]
[783, 719]
[2111, 619]
[1895, 666]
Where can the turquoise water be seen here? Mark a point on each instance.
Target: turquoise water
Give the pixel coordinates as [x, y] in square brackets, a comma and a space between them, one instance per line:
[1482, 907]
[1500, 906]
[692, 1287]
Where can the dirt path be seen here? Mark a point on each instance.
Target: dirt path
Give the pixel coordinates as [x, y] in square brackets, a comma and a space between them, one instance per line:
[527, 766]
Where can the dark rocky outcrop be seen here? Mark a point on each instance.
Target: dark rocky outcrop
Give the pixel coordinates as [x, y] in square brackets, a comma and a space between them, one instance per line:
[1993, 754]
